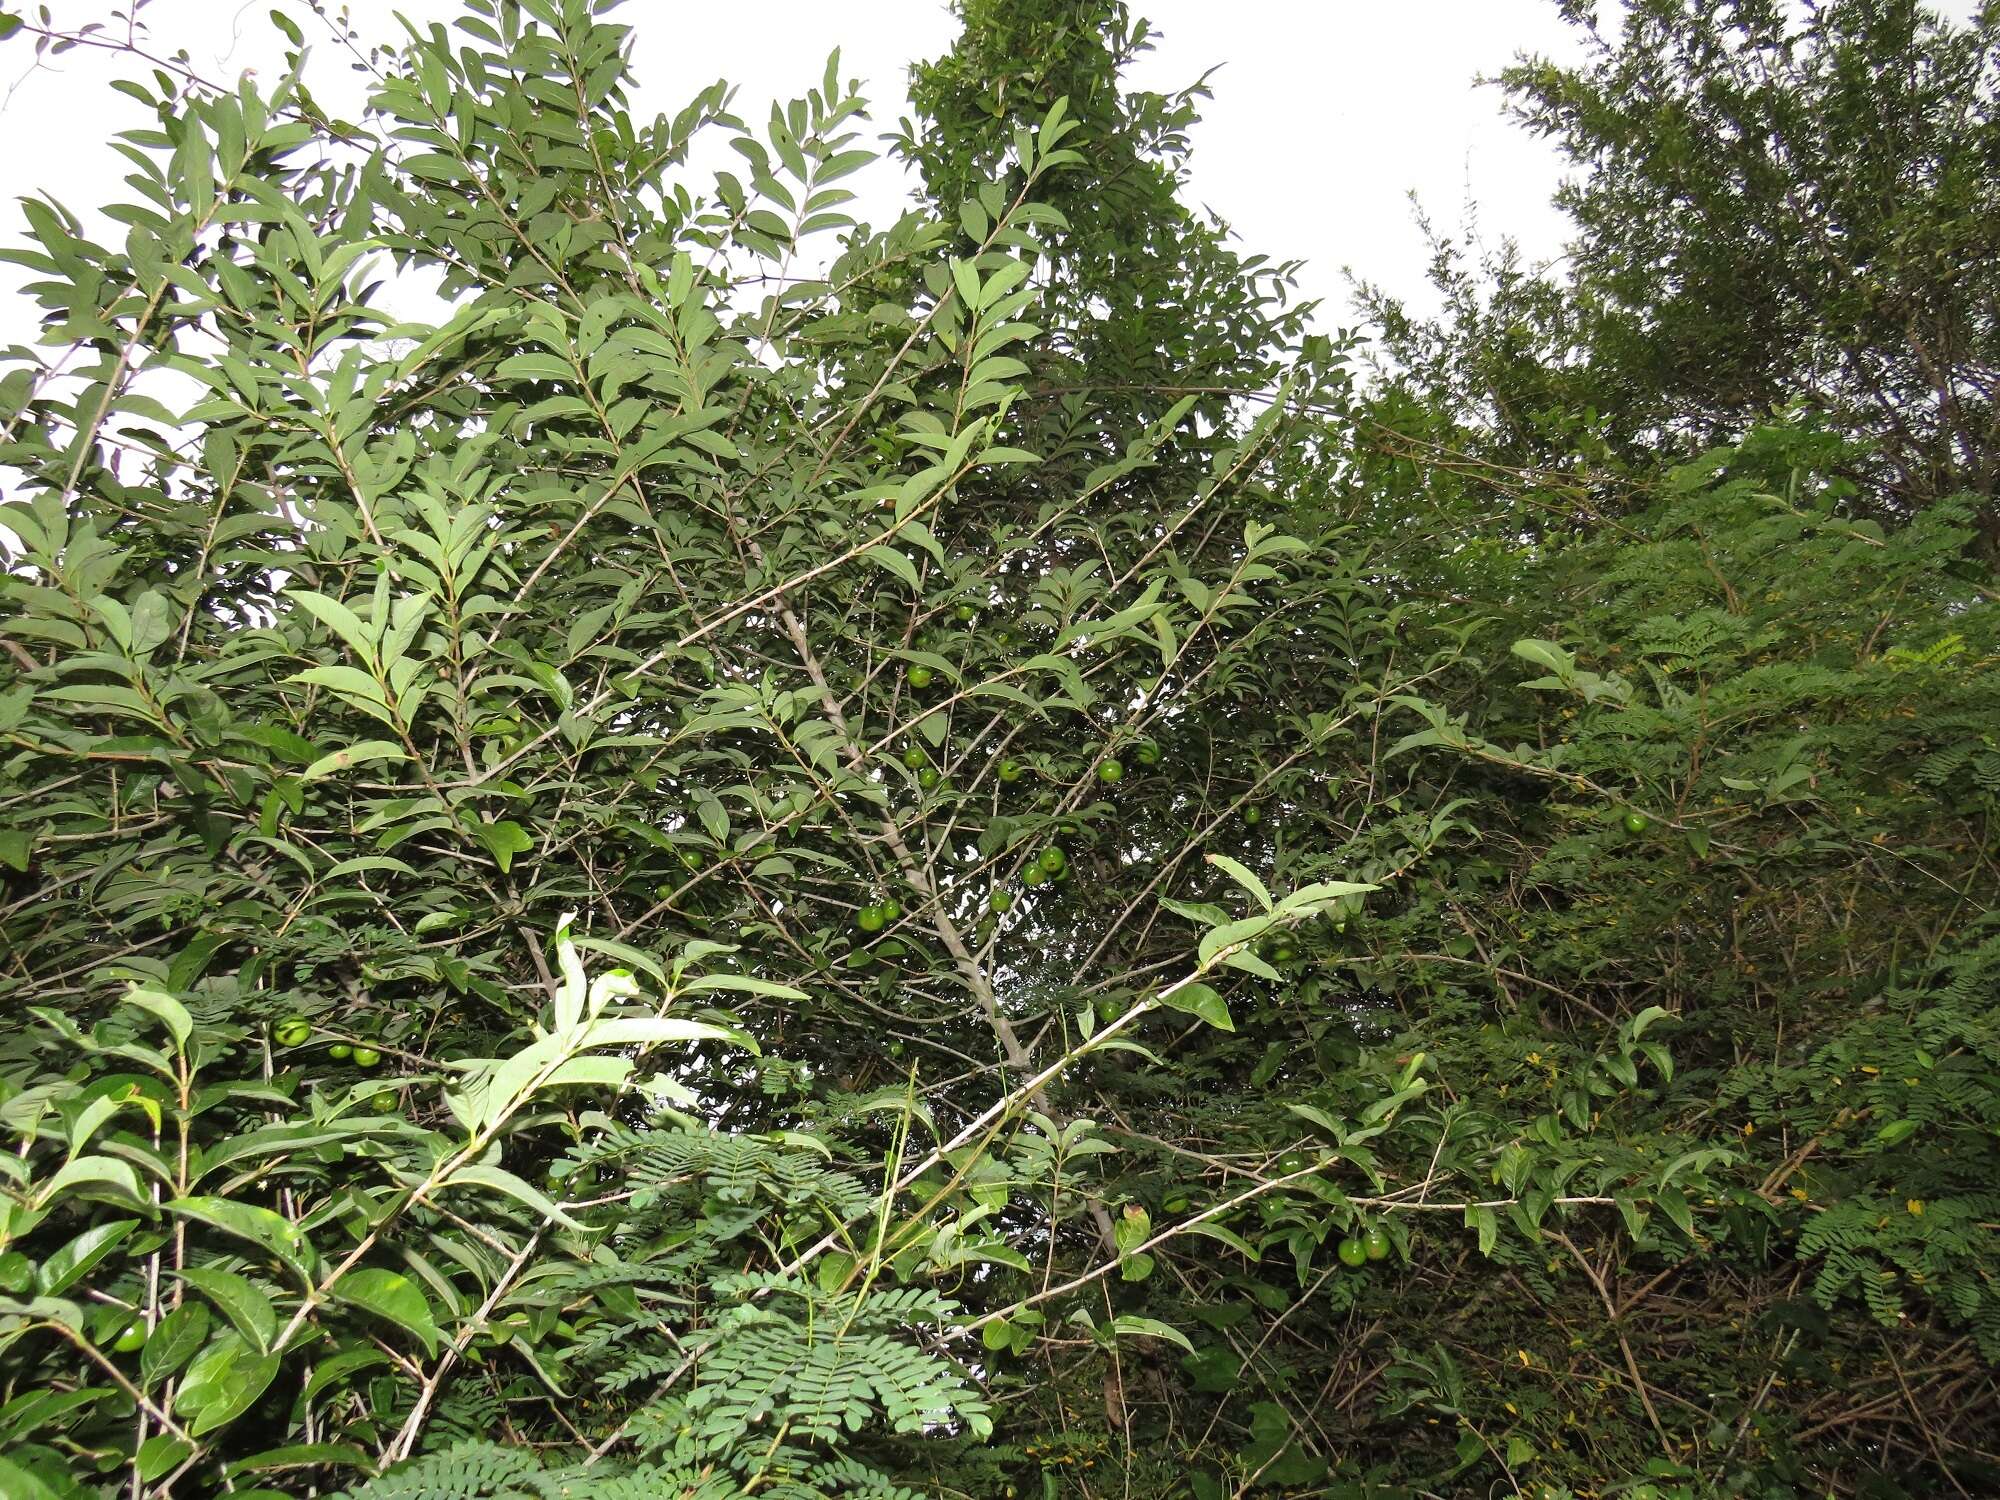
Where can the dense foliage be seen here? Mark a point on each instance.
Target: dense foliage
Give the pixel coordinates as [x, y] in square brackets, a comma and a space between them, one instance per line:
[776, 857]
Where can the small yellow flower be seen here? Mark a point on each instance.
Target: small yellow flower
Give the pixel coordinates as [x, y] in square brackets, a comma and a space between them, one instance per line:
[1916, 1207]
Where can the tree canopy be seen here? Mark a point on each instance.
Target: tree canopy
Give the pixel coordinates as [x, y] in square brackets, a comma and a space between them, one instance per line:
[775, 856]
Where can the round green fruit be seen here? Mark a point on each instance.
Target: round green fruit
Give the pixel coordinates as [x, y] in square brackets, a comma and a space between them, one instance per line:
[382, 1103]
[966, 614]
[1010, 771]
[1637, 822]
[919, 676]
[691, 858]
[366, 1057]
[340, 1051]
[1052, 860]
[1375, 1243]
[1146, 753]
[891, 909]
[1001, 901]
[928, 778]
[17, 1273]
[1034, 874]
[1109, 771]
[293, 1031]
[915, 758]
[1353, 1252]
[132, 1339]
[871, 919]
[1252, 816]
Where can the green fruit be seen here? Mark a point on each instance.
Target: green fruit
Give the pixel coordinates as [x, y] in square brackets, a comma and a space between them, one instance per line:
[928, 778]
[132, 1339]
[1001, 901]
[871, 919]
[966, 613]
[17, 1273]
[1637, 822]
[1291, 1162]
[382, 1103]
[919, 676]
[1109, 771]
[915, 758]
[340, 1051]
[1375, 1243]
[1146, 753]
[1052, 861]
[1252, 816]
[891, 909]
[293, 1031]
[691, 858]
[366, 1057]
[1353, 1252]
[1034, 874]
[1010, 770]
[1284, 953]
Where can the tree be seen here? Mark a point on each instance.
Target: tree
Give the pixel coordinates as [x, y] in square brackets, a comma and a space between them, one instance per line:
[781, 858]
[1771, 207]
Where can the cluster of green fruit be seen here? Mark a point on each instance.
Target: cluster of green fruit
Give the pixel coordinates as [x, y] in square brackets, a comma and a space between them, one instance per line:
[1358, 1249]
[1111, 769]
[874, 918]
[1050, 864]
[296, 1031]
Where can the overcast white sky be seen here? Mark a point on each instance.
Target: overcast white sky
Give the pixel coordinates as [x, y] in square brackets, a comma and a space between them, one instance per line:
[1327, 113]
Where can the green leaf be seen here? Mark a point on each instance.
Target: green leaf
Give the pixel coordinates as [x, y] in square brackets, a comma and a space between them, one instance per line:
[1201, 1001]
[394, 1298]
[159, 1456]
[224, 1381]
[94, 1177]
[1130, 1325]
[166, 1007]
[655, 1030]
[80, 1256]
[301, 1456]
[271, 1232]
[240, 1300]
[1242, 877]
[1209, 1229]
[893, 562]
[16, 1483]
[332, 1373]
[366, 752]
[501, 1181]
[1486, 1223]
[504, 840]
[174, 1341]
